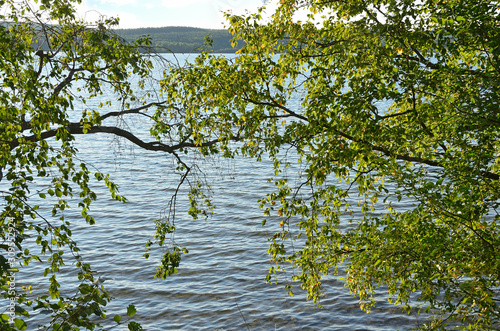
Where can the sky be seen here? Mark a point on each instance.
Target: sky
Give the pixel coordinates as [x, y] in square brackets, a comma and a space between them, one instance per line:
[159, 13]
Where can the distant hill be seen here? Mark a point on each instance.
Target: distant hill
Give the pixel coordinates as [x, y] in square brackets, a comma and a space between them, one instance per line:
[178, 39]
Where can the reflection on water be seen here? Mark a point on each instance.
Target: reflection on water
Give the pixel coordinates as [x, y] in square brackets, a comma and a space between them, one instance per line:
[221, 282]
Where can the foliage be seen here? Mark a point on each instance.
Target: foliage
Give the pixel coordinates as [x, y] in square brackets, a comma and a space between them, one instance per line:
[392, 110]
[55, 73]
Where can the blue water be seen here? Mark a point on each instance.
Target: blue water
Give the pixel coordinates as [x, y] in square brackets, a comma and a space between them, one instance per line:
[221, 282]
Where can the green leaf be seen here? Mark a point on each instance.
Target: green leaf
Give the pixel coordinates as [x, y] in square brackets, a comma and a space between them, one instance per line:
[20, 324]
[134, 326]
[131, 310]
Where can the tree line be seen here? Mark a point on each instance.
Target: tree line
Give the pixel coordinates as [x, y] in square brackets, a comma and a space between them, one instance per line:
[181, 39]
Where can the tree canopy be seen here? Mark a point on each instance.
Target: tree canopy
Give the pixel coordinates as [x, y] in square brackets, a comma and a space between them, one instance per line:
[60, 77]
[383, 102]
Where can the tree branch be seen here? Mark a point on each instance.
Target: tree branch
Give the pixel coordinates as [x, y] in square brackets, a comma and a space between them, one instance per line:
[133, 110]
[77, 128]
[408, 158]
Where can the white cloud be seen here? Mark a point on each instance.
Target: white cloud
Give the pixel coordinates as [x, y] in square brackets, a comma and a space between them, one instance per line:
[119, 2]
[88, 14]
[94, 13]
[182, 3]
[157, 13]
[130, 21]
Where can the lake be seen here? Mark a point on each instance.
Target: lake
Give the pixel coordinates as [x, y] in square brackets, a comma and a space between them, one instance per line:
[221, 282]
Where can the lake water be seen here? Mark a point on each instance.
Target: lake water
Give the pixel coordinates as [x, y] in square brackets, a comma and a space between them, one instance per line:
[221, 282]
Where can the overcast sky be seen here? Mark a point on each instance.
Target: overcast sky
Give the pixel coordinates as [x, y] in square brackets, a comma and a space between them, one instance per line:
[159, 13]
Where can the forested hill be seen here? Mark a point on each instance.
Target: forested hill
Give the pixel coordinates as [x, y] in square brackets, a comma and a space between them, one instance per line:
[181, 39]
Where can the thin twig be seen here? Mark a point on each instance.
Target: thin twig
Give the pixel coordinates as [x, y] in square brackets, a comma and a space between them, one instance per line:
[246, 324]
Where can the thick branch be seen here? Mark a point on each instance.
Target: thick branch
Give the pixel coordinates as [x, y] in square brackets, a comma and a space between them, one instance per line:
[76, 128]
[408, 158]
[385, 151]
[65, 82]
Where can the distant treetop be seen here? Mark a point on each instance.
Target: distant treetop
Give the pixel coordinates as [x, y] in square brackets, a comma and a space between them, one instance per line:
[180, 39]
